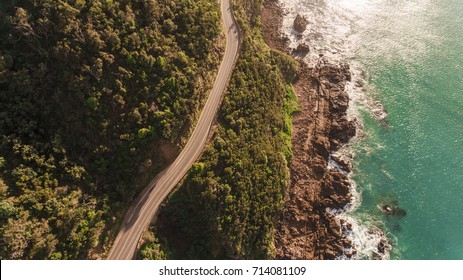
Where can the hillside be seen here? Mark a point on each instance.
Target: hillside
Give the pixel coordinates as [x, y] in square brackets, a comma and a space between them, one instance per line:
[92, 95]
[227, 206]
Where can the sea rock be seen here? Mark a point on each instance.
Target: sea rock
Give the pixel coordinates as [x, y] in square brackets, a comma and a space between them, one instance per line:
[345, 70]
[342, 130]
[349, 227]
[337, 201]
[302, 49]
[300, 23]
[340, 183]
[359, 83]
[343, 162]
[339, 102]
[383, 246]
[335, 230]
[393, 211]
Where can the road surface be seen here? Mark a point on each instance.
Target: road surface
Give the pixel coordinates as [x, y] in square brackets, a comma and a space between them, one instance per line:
[145, 207]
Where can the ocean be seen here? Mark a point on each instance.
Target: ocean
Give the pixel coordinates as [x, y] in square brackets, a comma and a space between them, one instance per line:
[406, 59]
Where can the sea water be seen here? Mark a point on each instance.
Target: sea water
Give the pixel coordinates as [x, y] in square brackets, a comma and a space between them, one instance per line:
[407, 89]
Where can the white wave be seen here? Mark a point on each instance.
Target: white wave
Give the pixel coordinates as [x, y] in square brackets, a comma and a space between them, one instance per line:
[369, 241]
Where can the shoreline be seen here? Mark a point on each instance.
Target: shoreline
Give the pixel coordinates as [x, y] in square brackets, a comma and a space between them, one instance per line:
[320, 187]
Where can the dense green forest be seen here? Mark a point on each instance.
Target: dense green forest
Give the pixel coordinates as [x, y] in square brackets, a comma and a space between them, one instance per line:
[89, 89]
[227, 205]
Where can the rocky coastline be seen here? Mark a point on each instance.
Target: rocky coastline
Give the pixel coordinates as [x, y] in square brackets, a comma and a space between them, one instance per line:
[306, 229]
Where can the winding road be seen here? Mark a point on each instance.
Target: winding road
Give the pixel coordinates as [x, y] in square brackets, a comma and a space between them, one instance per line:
[146, 205]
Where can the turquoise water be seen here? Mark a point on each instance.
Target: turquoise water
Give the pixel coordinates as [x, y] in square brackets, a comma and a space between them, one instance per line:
[411, 56]
[414, 67]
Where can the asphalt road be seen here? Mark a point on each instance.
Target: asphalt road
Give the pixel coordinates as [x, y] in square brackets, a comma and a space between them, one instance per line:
[145, 207]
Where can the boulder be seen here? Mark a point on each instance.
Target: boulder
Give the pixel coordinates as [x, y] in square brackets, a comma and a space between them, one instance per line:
[300, 23]
[302, 49]
[343, 162]
[341, 188]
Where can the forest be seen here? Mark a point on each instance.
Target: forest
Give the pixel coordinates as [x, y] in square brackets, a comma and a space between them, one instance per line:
[227, 205]
[89, 92]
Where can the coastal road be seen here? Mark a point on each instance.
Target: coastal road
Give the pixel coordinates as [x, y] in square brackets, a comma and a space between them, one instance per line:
[145, 207]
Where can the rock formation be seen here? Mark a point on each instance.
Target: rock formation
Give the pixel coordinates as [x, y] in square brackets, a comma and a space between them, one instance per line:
[300, 23]
[302, 49]
[306, 230]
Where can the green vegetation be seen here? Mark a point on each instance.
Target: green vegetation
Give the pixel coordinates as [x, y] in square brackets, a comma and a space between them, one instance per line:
[152, 248]
[227, 205]
[88, 89]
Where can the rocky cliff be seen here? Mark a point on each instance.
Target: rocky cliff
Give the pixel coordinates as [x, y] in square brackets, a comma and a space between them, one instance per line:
[306, 230]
